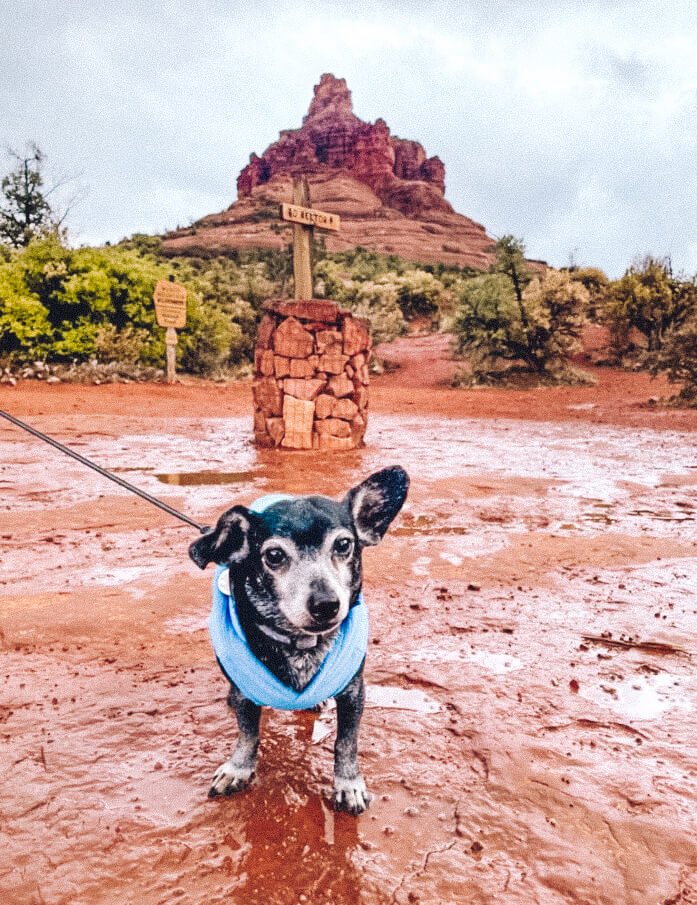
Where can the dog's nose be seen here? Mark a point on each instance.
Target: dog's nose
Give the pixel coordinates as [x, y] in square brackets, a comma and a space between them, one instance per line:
[323, 607]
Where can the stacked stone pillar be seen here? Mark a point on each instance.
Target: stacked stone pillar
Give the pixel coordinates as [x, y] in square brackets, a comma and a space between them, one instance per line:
[311, 376]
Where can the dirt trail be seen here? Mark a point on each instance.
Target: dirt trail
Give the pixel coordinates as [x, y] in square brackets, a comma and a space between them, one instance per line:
[530, 733]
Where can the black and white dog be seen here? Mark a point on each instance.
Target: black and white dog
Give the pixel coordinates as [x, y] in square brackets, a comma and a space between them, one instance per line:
[295, 577]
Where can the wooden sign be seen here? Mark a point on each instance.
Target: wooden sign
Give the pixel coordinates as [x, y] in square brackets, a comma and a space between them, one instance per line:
[308, 216]
[170, 304]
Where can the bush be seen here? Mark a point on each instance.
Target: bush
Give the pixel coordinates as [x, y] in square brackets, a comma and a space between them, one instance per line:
[678, 358]
[508, 318]
[377, 301]
[649, 299]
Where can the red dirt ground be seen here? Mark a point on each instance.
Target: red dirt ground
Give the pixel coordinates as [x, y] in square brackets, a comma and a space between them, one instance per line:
[530, 734]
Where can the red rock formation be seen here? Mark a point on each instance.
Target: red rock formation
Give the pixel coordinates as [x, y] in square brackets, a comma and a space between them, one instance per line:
[389, 195]
[332, 135]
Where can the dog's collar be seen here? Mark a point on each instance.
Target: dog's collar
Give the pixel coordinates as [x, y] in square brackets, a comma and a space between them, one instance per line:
[304, 642]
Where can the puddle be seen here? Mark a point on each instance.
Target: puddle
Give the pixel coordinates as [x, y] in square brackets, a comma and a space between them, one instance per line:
[190, 478]
[117, 576]
[386, 697]
[400, 699]
[424, 524]
[496, 663]
[640, 699]
[183, 624]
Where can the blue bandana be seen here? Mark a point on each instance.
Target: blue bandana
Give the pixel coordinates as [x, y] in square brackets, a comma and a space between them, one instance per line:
[249, 674]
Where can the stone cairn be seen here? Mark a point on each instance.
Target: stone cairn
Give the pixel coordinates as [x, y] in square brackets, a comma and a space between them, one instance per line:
[311, 376]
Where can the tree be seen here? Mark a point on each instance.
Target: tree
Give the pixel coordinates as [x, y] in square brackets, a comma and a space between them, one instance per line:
[25, 212]
[678, 358]
[649, 299]
[507, 315]
[510, 260]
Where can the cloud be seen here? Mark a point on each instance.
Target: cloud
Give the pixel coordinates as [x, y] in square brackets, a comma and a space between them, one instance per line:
[571, 124]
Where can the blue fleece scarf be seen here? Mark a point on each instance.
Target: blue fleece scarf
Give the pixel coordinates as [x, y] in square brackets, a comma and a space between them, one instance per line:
[250, 675]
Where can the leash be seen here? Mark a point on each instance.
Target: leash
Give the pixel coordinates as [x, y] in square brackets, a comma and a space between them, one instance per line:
[103, 472]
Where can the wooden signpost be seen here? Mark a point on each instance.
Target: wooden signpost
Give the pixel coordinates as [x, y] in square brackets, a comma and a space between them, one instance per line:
[170, 310]
[304, 219]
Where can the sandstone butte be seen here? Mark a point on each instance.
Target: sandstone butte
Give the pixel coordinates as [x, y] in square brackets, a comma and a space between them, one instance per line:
[390, 196]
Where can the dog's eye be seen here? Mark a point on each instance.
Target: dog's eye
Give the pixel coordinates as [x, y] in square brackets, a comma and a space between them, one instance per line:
[274, 557]
[343, 546]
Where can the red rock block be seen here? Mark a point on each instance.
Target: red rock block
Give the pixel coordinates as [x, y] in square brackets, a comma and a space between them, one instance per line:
[303, 367]
[298, 416]
[324, 406]
[310, 310]
[358, 426]
[325, 339]
[332, 362]
[356, 337]
[327, 441]
[275, 428]
[267, 396]
[333, 426]
[360, 397]
[266, 328]
[363, 375]
[345, 409]
[358, 361]
[266, 363]
[340, 385]
[281, 366]
[261, 436]
[292, 340]
[303, 389]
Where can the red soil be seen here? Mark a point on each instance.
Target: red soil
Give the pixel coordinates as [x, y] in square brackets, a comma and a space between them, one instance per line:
[532, 605]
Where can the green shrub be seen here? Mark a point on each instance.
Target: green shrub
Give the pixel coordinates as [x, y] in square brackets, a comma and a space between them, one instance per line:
[649, 299]
[536, 330]
[677, 357]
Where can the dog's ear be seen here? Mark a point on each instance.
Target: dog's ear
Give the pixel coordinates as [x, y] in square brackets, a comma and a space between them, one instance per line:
[375, 502]
[228, 542]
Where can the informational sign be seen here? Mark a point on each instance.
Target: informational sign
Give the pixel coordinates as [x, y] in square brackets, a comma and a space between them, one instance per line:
[170, 304]
[308, 216]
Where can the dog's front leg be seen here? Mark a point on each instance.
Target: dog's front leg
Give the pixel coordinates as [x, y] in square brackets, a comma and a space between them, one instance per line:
[238, 770]
[350, 792]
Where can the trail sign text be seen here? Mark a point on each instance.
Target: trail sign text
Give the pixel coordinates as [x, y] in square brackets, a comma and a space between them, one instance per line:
[170, 304]
[308, 216]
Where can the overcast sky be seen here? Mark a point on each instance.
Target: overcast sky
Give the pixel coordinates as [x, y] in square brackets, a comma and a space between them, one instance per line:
[572, 125]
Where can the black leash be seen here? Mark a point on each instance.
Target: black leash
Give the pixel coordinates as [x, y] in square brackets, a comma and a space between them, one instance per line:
[104, 472]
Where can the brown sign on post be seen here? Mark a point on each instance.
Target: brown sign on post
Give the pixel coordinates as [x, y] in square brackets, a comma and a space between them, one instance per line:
[304, 218]
[170, 304]
[170, 311]
[308, 216]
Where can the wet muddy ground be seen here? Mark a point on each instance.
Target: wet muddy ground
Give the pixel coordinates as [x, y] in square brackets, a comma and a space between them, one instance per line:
[531, 728]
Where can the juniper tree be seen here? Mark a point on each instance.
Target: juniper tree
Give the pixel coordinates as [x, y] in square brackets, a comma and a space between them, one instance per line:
[24, 211]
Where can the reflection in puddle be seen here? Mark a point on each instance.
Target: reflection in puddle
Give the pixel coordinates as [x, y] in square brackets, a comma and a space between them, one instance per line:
[188, 478]
[116, 576]
[186, 623]
[400, 699]
[497, 663]
[388, 697]
[640, 698]
[424, 524]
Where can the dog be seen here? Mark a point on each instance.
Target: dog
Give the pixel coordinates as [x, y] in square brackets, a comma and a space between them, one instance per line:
[295, 574]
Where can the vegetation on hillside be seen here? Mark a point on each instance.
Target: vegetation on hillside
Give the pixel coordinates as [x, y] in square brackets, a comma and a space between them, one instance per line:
[76, 305]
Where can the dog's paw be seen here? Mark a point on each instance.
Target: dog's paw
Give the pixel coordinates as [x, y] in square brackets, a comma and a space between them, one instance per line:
[229, 779]
[351, 795]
